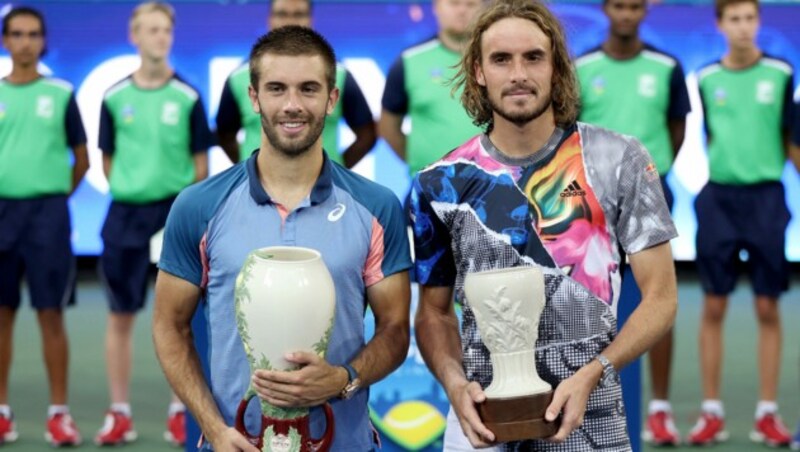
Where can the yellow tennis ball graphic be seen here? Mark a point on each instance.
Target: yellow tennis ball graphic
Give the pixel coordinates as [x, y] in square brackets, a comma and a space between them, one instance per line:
[414, 424]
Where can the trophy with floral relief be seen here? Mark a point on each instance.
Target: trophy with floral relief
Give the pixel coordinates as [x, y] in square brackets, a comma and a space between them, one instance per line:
[284, 302]
[507, 304]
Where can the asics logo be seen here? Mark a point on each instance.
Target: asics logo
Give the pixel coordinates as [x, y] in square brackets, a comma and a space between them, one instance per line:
[336, 213]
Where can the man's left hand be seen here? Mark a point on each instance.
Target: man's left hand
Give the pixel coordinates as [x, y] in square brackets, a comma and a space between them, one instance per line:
[570, 399]
[313, 384]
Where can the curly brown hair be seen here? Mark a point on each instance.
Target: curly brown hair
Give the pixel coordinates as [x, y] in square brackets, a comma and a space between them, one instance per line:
[565, 93]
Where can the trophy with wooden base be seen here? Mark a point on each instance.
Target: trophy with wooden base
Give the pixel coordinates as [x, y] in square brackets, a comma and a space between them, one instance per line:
[507, 304]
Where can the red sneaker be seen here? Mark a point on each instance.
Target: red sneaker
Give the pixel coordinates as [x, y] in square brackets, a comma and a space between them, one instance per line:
[117, 429]
[8, 429]
[176, 429]
[769, 429]
[660, 430]
[61, 431]
[708, 430]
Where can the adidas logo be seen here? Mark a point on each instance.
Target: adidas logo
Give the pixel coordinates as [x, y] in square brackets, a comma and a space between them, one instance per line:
[574, 189]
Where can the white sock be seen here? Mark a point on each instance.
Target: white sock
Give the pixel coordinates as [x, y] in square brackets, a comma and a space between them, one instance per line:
[52, 410]
[176, 407]
[659, 405]
[5, 411]
[713, 407]
[123, 408]
[765, 407]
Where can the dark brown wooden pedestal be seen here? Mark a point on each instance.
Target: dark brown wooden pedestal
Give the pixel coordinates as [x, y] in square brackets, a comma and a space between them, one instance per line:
[518, 418]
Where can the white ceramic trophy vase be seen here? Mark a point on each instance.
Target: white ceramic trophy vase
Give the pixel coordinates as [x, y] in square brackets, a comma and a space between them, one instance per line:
[507, 304]
[284, 301]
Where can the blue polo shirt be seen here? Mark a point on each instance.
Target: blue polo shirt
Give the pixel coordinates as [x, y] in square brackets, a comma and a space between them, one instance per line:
[357, 226]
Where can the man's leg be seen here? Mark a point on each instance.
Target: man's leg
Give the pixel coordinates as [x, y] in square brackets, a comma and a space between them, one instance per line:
[119, 355]
[7, 317]
[661, 366]
[770, 277]
[9, 303]
[714, 307]
[124, 271]
[769, 427]
[769, 346]
[660, 427]
[8, 429]
[55, 349]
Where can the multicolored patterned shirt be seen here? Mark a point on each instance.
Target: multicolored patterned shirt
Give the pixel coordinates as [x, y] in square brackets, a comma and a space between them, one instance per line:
[572, 208]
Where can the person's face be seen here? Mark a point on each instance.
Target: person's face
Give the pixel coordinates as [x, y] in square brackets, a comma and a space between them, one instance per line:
[625, 16]
[289, 12]
[24, 40]
[455, 16]
[152, 35]
[293, 99]
[739, 24]
[516, 68]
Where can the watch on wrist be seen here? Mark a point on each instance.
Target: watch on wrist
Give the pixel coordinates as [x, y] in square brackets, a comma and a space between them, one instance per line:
[353, 383]
[609, 372]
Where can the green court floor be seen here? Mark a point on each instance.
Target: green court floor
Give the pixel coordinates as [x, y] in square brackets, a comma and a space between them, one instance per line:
[150, 393]
[740, 371]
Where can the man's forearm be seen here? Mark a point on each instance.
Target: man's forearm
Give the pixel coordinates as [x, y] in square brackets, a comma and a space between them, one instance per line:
[365, 140]
[384, 353]
[390, 127]
[178, 357]
[229, 144]
[646, 325]
[440, 344]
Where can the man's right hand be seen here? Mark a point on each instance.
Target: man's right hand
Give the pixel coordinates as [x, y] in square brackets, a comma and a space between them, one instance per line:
[230, 440]
[464, 398]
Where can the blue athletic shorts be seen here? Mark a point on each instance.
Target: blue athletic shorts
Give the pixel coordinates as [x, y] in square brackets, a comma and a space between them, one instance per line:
[35, 241]
[125, 261]
[733, 218]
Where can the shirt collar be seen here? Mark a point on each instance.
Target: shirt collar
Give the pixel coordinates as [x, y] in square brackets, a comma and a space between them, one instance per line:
[320, 192]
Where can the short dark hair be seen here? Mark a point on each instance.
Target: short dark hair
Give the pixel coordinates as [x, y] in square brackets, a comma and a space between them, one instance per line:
[23, 11]
[293, 40]
[645, 2]
[720, 5]
[272, 5]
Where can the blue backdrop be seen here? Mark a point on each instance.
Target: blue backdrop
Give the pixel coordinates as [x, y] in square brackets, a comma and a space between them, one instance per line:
[88, 46]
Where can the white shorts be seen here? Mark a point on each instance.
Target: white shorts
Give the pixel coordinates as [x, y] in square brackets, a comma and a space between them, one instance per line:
[454, 438]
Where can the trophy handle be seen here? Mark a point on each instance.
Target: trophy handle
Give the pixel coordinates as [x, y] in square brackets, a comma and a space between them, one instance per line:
[240, 424]
[324, 444]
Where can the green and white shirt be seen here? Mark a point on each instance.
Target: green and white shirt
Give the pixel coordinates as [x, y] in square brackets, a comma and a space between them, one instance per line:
[152, 135]
[236, 112]
[39, 122]
[636, 96]
[747, 113]
[417, 86]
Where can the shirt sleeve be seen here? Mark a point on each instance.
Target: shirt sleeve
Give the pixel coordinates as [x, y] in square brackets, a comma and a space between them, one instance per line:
[433, 257]
[229, 118]
[679, 105]
[788, 104]
[73, 125]
[355, 109]
[644, 219]
[389, 250]
[796, 132]
[182, 253]
[201, 138]
[106, 139]
[395, 98]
